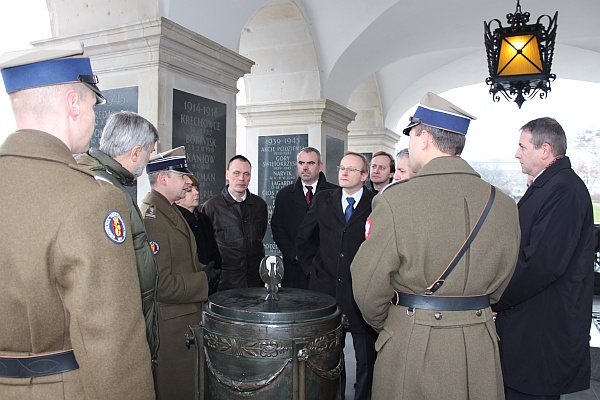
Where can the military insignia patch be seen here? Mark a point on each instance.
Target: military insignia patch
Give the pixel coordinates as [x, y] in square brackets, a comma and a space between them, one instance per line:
[154, 247]
[150, 212]
[114, 227]
[368, 228]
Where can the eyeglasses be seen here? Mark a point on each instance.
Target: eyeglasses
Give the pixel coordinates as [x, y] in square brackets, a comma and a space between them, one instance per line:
[349, 169]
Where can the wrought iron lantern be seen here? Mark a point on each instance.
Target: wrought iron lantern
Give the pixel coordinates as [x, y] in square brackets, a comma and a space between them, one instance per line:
[520, 56]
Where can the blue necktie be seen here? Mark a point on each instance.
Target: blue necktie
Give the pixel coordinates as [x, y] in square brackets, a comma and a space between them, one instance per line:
[349, 208]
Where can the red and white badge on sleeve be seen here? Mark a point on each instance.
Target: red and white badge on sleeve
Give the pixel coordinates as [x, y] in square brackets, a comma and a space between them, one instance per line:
[368, 228]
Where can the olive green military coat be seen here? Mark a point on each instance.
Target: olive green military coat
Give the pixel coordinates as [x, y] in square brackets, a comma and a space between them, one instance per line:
[182, 287]
[67, 279]
[416, 228]
[101, 164]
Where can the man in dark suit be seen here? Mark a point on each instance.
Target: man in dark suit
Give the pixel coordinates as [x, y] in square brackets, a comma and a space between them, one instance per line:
[291, 205]
[328, 239]
[383, 168]
[544, 314]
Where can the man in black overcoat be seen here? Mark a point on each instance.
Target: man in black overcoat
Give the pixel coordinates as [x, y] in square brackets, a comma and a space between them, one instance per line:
[291, 205]
[327, 241]
[544, 314]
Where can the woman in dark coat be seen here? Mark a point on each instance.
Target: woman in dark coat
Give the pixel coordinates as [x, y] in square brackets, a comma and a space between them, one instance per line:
[208, 250]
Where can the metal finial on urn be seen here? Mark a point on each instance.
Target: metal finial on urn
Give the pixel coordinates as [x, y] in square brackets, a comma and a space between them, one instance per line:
[271, 273]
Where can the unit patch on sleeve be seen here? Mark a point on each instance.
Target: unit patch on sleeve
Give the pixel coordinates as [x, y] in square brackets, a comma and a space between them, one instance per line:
[114, 227]
[154, 247]
[150, 212]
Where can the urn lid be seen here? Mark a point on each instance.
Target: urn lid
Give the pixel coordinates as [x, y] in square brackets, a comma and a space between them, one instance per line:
[249, 305]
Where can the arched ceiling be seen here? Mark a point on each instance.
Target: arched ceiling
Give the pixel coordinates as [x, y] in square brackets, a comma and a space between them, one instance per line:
[410, 46]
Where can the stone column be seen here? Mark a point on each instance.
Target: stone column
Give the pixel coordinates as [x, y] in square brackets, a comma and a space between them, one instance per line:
[367, 134]
[182, 82]
[275, 133]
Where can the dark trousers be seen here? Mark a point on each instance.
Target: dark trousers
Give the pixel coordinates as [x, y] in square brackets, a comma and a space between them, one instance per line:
[294, 276]
[512, 394]
[364, 351]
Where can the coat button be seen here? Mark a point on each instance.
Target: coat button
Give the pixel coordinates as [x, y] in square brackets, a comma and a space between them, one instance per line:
[341, 255]
[437, 315]
[478, 313]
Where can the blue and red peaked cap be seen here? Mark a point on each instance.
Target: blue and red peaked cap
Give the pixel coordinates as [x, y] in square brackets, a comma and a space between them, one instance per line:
[440, 113]
[46, 66]
[170, 160]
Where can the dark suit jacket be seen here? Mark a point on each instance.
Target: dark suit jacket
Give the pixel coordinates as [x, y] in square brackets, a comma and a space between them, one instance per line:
[289, 212]
[545, 312]
[326, 245]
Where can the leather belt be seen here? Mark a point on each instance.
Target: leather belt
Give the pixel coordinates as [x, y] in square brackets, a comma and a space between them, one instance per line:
[441, 303]
[40, 365]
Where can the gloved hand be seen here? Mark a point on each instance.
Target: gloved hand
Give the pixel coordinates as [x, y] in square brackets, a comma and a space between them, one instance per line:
[213, 274]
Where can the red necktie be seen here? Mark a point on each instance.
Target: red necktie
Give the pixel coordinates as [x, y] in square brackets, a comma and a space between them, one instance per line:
[309, 194]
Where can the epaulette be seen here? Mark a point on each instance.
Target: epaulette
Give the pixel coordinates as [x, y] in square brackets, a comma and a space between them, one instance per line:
[100, 178]
[86, 171]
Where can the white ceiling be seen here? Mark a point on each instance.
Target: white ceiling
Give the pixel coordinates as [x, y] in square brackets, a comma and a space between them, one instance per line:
[410, 46]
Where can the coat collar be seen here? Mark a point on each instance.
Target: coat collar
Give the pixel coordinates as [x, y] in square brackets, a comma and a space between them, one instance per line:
[37, 144]
[159, 202]
[113, 167]
[297, 187]
[549, 173]
[231, 201]
[445, 166]
[364, 205]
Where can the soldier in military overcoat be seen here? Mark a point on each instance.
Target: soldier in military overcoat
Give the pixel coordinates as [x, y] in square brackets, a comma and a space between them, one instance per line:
[183, 281]
[71, 325]
[441, 345]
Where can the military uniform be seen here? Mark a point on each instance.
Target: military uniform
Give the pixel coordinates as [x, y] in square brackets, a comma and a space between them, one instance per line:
[68, 278]
[414, 231]
[182, 287]
[106, 167]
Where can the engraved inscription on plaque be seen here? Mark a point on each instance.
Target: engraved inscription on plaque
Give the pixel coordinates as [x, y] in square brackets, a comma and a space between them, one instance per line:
[121, 99]
[277, 169]
[199, 125]
[335, 153]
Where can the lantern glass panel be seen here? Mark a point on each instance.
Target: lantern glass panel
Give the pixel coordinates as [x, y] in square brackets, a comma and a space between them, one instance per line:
[519, 55]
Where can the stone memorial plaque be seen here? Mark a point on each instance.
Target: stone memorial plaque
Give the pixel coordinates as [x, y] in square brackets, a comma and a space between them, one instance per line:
[335, 153]
[121, 99]
[277, 169]
[199, 125]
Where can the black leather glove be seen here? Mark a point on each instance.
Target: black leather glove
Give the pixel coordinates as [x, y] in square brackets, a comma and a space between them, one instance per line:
[213, 274]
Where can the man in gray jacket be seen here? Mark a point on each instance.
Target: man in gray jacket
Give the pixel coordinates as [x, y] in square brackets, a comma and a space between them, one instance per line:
[127, 141]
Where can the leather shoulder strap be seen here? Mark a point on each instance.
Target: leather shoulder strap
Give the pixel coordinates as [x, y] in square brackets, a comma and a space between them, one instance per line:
[440, 281]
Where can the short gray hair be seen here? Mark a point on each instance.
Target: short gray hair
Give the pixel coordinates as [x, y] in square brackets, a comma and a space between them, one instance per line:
[310, 150]
[547, 130]
[124, 130]
[402, 153]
